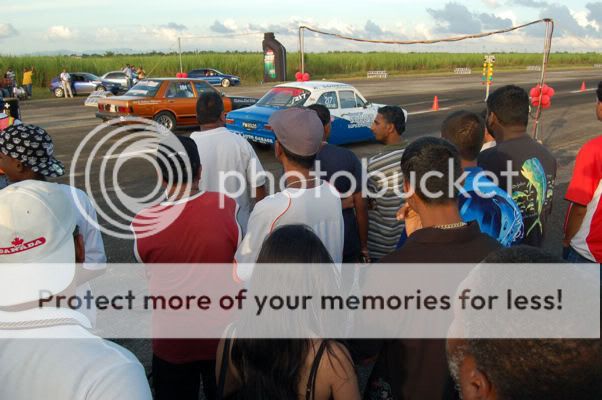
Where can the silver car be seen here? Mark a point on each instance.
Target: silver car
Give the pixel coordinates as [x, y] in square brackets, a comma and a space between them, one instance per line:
[117, 77]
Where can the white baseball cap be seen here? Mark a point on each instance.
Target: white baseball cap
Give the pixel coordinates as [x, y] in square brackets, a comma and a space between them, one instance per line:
[37, 250]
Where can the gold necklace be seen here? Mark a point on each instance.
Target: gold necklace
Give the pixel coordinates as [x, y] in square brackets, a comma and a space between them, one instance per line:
[299, 181]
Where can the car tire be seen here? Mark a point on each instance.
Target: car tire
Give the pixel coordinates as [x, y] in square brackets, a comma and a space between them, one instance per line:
[226, 83]
[58, 92]
[167, 119]
[100, 88]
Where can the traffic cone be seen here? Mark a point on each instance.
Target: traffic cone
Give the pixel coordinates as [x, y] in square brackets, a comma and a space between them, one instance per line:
[436, 104]
[583, 88]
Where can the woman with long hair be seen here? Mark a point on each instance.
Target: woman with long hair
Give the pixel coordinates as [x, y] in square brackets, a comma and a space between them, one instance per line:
[287, 369]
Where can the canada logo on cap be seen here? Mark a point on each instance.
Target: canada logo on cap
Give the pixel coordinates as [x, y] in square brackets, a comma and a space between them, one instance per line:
[19, 245]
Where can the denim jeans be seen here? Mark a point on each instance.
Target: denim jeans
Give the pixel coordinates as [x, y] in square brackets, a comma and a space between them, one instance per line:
[3, 181]
[572, 256]
[28, 89]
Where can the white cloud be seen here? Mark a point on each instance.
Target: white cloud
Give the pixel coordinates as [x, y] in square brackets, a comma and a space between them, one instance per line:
[60, 32]
[107, 35]
[7, 30]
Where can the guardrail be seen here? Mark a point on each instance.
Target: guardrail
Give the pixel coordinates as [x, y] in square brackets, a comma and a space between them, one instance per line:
[597, 65]
[463, 71]
[534, 68]
[377, 74]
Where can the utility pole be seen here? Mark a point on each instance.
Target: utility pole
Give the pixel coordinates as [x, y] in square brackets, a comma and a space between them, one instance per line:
[180, 51]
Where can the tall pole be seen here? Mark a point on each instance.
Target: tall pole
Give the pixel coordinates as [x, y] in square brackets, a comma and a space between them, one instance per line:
[180, 52]
[302, 49]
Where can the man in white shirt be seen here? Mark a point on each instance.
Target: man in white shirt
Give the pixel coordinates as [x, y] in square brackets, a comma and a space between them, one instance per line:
[305, 200]
[66, 83]
[27, 152]
[230, 165]
[48, 352]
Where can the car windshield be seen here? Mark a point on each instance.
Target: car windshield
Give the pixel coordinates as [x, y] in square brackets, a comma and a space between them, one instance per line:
[145, 88]
[284, 97]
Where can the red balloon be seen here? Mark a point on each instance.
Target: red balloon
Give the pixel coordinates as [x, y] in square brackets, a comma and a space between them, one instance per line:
[179, 75]
[546, 102]
[184, 75]
[305, 77]
[535, 92]
[298, 76]
[551, 92]
[535, 101]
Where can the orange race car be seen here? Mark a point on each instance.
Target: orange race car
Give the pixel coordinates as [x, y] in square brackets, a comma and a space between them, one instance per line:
[169, 101]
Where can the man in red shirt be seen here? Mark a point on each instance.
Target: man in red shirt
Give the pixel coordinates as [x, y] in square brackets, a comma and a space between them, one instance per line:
[188, 227]
[583, 229]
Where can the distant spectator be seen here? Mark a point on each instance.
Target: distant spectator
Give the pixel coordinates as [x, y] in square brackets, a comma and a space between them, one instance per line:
[196, 230]
[66, 83]
[510, 369]
[11, 78]
[31, 164]
[58, 357]
[488, 140]
[583, 229]
[319, 369]
[334, 159]
[141, 73]
[6, 120]
[384, 229]
[305, 200]
[127, 70]
[417, 368]
[27, 81]
[491, 207]
[224, 152]
[533, 166]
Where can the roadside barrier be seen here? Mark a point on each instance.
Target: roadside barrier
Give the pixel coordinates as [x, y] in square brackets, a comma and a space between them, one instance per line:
[462, 71]
[377, 74]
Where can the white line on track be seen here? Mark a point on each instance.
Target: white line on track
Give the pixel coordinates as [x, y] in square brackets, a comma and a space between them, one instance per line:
[429, 111]
[581, 91]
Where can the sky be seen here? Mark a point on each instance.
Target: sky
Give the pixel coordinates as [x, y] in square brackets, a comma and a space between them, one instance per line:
[43, 26]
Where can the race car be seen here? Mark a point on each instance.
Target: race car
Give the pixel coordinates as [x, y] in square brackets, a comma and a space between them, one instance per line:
[352, 114]
[169, 101]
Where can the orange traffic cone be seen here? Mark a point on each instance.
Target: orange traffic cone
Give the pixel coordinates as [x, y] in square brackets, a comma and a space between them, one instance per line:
[583, 88]
[436, 104]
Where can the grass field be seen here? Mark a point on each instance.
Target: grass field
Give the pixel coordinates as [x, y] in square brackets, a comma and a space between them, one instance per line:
[249, 66]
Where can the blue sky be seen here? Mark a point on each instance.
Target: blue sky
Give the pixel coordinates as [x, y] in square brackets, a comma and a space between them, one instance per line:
[31, 26]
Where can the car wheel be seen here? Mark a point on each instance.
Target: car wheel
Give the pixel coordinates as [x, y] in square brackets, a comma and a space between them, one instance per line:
[100, 88]
[226, 83]
[58, 92]
[166, 119]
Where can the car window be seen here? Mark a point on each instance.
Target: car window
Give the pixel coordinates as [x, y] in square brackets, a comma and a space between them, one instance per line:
[91, 77]
[77, 78]
[202, 87]
[359, 102]
[115, 75]
[179, 90]
[329, 99]
[347, 98]
[144, 88]
[284, 97]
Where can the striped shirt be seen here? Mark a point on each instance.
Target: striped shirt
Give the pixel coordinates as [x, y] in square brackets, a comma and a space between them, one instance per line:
[384, 174]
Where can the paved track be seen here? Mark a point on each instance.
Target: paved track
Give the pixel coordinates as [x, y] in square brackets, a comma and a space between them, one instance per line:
[566, 126]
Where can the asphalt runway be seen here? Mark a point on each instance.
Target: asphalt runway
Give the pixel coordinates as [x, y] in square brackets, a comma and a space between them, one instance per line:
[564, 128]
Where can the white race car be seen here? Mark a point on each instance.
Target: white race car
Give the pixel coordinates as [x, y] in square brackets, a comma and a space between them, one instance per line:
[352, 113]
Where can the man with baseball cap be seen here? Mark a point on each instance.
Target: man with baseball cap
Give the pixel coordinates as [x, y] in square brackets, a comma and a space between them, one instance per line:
[305, 199]
[27, 152]
[39, 246]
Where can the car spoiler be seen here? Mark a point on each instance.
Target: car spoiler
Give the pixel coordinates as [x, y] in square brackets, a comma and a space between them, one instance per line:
[239, 102]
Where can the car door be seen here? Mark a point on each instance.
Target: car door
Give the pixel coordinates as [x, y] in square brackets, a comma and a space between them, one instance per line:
[117, 77]
[213, 77]
[79, 84]
[181, 100]
[359, 118]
